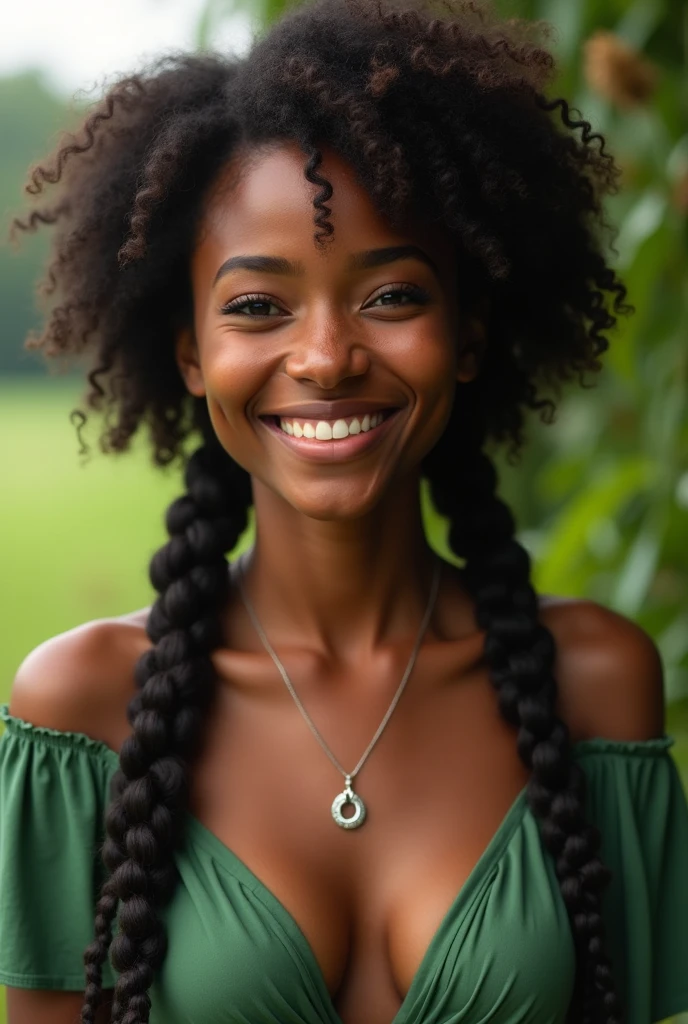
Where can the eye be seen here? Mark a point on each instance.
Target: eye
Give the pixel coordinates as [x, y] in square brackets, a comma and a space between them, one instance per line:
[249, 300]
[413, 293]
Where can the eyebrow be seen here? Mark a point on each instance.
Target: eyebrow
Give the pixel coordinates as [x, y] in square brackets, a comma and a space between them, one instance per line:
[366, 260]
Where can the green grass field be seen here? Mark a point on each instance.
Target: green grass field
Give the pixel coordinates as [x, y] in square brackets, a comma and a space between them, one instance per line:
[76, 539]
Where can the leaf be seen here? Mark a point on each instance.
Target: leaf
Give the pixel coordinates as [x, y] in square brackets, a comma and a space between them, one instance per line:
[641, 280]
[673, 646]
[635, 578]
[599, 499]
[644, 219]
[203, 27]
[567, 17]
[640, 20]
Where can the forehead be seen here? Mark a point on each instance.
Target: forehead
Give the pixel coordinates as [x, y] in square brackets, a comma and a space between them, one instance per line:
[261, 202]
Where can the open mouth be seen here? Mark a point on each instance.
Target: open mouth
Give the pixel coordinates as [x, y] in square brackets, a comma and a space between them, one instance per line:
[329, 430]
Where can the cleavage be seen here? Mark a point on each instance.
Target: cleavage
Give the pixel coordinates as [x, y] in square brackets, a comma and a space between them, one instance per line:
[369, 901]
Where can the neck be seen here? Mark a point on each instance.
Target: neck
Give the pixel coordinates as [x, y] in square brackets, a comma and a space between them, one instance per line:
[342, 587]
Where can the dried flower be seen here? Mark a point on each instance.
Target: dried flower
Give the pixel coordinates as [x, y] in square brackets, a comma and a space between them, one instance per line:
[617, 71]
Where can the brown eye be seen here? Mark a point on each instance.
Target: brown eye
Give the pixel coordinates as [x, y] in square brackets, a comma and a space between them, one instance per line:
[264, 302]
[414, 294]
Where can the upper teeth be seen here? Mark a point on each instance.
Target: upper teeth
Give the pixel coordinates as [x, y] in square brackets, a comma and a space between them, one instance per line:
[326, 430]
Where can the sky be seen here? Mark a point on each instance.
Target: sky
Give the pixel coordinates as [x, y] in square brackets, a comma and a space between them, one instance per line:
[77, 43]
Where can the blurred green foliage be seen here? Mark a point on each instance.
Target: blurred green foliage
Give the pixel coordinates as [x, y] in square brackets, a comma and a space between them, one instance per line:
[602, 494]
[31, 116]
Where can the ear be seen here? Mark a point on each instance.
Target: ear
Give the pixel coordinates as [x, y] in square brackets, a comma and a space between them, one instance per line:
[472, 344]
[188, 361]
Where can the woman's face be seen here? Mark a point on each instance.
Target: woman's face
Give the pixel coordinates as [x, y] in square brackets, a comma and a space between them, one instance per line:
[289, 340]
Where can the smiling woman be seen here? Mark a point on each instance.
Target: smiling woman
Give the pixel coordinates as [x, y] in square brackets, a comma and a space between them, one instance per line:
[515, 848]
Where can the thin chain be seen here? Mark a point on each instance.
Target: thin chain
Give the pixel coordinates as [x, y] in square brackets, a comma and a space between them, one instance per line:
[283, 672]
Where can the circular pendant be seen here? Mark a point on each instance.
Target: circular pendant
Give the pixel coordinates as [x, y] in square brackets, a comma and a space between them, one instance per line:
[348, 797]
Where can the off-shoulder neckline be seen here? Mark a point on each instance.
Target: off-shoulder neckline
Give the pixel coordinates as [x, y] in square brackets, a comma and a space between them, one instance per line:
[57, 737]
[67, 738]
[225, 856]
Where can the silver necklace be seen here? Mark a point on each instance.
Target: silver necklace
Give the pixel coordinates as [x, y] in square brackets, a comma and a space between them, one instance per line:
[347, 796]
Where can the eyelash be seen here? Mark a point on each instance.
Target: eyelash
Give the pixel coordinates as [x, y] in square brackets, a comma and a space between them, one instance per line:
[419, 295]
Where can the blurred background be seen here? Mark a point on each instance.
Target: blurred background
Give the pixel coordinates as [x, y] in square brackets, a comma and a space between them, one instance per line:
[600, 496]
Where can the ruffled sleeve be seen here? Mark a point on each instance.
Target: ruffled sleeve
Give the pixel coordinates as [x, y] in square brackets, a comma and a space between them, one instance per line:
[54, 787]
[636, 797]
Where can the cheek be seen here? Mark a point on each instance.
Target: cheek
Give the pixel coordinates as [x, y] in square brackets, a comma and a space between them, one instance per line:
[234, 374]
[427, 360]
[433, 360]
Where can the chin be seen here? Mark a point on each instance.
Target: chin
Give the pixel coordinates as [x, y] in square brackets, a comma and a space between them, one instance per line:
[334, 512]
[336, 504]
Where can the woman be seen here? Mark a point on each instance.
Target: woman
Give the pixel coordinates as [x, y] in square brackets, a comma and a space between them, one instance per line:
[515, 847]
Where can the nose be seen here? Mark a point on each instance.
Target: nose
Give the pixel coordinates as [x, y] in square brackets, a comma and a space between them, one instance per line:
[327, 352]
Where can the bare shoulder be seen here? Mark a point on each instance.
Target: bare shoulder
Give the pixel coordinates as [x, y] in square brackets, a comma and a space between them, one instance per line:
[608, 670]
[82, 680]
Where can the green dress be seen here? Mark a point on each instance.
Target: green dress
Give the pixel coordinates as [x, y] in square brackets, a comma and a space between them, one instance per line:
[503, 952]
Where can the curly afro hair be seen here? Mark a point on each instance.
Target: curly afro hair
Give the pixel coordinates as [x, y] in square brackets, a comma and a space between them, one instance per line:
[439, 107]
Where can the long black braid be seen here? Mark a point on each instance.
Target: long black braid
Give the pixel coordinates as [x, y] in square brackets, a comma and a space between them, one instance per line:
[176, 683]
[520, 652]
[446, 115]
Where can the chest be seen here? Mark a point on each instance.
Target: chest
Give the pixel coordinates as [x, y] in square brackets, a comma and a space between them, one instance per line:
[503, 952]
[437, 786]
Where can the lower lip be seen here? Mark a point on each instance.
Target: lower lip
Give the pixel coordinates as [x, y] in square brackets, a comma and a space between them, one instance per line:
[336, 450]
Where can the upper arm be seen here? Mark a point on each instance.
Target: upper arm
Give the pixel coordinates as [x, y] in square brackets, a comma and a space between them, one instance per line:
[28, 1006]
[609, 673]
[76, 681]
